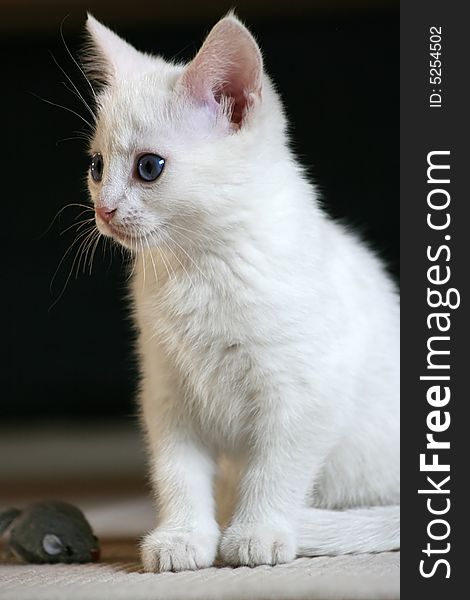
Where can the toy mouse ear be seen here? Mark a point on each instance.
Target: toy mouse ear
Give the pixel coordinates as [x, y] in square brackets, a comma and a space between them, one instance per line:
[7, 517]
[108, 57]
[228, 65]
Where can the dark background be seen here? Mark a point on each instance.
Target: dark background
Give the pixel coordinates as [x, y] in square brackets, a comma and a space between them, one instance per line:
[67, 346]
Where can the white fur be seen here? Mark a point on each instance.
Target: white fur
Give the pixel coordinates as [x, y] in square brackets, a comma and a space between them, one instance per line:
[268, 334]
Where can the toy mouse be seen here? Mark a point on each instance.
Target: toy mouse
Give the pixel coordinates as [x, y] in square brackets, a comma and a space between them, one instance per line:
[49, 532]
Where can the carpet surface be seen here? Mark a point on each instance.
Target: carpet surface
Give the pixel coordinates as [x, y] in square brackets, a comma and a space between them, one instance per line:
[119, 576]
[102, 471]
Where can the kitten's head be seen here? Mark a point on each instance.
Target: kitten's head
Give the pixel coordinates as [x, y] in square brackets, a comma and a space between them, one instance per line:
[175, 145]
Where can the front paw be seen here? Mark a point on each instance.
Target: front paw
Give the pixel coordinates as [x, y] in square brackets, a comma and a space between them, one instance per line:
[257, 545]
[167, 549]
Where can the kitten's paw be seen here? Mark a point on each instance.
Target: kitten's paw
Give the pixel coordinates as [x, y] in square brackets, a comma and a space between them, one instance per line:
[257, 545]
[166, 549]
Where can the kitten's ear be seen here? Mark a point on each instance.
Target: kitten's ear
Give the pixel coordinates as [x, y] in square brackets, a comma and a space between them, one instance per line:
[228, 68]
[108, 57]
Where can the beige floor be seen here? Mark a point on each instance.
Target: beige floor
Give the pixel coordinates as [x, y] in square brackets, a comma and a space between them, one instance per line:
[119, 576]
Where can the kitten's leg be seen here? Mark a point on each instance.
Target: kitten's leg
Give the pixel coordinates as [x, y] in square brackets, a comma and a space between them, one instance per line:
[279, 473]
[187, 534]
[182, 471]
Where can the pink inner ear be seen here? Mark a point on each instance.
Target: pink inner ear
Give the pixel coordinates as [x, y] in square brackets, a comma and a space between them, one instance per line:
[238, 90]
[229, 64]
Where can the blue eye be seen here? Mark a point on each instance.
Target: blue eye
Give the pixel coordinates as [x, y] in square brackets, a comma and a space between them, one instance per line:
[96, 167]
[150, 166]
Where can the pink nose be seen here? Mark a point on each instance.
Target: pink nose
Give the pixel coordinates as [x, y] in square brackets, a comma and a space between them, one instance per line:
[104, 213]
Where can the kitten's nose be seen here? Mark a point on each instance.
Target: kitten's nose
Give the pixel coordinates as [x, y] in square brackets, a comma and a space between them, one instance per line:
[104, 213]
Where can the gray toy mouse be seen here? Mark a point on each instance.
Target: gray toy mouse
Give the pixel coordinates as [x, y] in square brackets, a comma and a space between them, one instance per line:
[49, 532]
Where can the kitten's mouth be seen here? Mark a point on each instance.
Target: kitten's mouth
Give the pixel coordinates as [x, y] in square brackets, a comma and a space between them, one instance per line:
[120, 234]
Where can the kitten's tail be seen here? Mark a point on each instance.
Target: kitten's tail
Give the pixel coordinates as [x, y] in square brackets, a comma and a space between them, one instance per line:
[351, 531]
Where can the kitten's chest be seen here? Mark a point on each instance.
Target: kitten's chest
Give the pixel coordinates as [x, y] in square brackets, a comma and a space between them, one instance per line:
[204, 339]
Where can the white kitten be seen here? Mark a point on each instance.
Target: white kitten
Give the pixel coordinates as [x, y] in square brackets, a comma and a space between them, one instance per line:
[268, 334]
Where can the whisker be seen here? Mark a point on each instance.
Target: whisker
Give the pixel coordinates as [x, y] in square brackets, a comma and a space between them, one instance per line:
[191, 239]
[72, 138]
[86, 135]
[128, 255]
[73, 58]
[153, 262]
[109, 245]
[63, 107]
[182, 265]
[124, 255]
[134, 262]
[75, 90]
[60, 212]
[66, 253]
[87, 209]
[184, 251]
[143, 264]
[98, 237]
[87, 248]
[70, 247]
[162, 256]
[79, 253]
[78, 225]
[80, 97]
[82, 224]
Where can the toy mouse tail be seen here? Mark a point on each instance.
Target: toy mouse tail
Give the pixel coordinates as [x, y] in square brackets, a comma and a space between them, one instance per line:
[7, 517]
